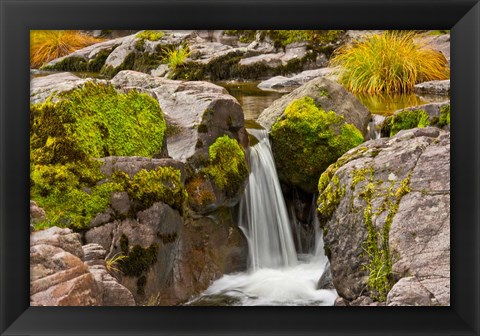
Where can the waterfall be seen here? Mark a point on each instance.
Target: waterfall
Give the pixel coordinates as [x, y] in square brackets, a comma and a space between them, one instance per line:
[263, 214]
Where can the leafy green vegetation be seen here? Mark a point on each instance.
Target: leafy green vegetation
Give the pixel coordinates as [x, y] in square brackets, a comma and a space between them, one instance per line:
[227, 165]
[309, 139]
[406, 119]
[281, 38]
[389, 62]
[150, 35]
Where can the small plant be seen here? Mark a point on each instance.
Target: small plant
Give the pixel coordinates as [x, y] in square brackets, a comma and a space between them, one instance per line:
[113, 263]
[150, 35]
[389, 62]
[176, 57]
[47, 45]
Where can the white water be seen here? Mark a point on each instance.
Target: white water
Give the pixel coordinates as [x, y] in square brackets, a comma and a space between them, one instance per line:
[275, 276]
[263, 214]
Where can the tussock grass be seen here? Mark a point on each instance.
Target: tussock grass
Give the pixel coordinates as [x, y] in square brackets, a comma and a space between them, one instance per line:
[46, 45]
[389, 62]
[176, 57]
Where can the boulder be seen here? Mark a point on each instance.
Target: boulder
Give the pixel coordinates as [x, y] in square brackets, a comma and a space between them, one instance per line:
[329, 95]
[282, 83]
[149, 240]
[209, 247]
[432, 114]
[438, 87]
[325, 281]
[44, 86]
[198, 113]
[58, 276]
[113, 293]
[384, 207]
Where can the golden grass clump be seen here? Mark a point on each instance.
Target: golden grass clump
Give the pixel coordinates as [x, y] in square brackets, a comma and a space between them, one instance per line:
[46, 45]
[389, 62]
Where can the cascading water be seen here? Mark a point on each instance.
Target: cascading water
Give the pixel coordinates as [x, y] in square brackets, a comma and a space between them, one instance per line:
[275, 276]
[263, 214]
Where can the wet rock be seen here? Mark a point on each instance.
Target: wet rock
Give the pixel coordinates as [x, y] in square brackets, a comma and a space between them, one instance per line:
[400, 187]
[209, 247]
[438, 87]
[330, 95]
[325, 281]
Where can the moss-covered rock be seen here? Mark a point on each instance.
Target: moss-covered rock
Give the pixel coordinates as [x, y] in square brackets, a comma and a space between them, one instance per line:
[406, 119]
[66, 137]
[307, 139]
[227, 165]
[444, 118]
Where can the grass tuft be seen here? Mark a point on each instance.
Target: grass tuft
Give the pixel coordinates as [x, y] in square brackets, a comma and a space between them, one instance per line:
[176, 57]
[47, 45]
[389, 62]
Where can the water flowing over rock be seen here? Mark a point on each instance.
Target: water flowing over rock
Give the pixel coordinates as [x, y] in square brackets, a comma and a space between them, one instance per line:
[329, 95]
[390, 199]
[264, 216]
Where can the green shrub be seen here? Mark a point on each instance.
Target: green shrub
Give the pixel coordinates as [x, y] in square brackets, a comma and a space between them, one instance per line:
[227, 165]
[389, 62]
[307, 139]
[406, 119]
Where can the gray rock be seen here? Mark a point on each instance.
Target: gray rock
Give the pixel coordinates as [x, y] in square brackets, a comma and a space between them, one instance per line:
[58, 277]
[419, 234]
[120, 203]
[93, 252]
[439, 43]
[43, 87]
[438, 87]
[131, 165]
[187, 105]
[113, 293]
[270, 60]
[325, 281]
[331, 96]
[159, 226]
[64, 239]
[409, 291]
[37, 214]
[282, 84]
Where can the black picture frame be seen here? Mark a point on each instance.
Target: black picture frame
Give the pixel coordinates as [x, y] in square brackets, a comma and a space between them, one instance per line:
[17, 17]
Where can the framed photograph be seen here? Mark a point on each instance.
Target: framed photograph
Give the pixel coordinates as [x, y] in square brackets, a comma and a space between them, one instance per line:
[216, 167]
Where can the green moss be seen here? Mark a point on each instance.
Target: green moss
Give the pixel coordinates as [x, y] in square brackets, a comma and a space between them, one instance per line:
[150, 35]
[245, 36]
[281, 38]
[227, 165]
[307, 139]
[330, 197]
[80, 64]
[139, 260]
[95, 121]
[162, 184]
[68, 195]
[444, 119]
[404, 120]
[376, 246]
[65, 138]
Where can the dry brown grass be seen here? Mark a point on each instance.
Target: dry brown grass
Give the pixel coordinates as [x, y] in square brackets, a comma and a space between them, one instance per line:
[46, 45]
